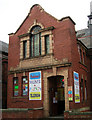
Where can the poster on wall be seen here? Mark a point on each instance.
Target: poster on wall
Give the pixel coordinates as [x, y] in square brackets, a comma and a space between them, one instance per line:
[76, 87]
[35, 85]
[70, 93]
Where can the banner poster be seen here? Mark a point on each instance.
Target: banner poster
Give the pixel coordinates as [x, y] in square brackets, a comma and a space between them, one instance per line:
[70, 93]
[35, 85]
[76, 87]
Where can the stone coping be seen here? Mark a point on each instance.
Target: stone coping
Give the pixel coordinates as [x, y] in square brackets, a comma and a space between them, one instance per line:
[79, 113]
[20, 109]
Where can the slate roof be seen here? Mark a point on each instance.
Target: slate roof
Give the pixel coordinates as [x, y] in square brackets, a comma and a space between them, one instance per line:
[3, 47]
[84, 36]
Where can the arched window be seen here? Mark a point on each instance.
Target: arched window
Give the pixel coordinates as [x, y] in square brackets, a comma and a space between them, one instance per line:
[35, 41]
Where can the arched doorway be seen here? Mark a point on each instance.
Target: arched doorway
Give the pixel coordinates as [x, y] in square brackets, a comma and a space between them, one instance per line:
[56, 95]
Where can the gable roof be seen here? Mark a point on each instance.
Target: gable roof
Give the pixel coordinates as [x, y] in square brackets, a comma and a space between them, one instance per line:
[45, 12]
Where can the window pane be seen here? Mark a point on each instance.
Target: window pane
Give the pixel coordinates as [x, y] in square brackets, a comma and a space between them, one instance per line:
[82, 90]
[15, 93]
[83, 58]
[25, 48]
[36, 45]
[31, 47]
[15, 86]
[15, 81]
[85, 91]
[80, 52]
[47, 44]
[40, 45]
[25, 86]
[80, 55]
[25, 80]
[36, 29]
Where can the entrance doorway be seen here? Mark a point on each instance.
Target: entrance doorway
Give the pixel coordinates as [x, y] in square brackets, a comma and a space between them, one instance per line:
[56, 95]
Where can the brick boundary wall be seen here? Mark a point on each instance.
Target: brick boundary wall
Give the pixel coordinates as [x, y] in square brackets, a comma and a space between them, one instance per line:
[23, 113]
[33, 114]
[78, 115]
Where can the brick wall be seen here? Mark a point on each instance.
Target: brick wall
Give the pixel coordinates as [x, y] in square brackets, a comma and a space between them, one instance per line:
[64, 50]
[21, 114]
[21, 101]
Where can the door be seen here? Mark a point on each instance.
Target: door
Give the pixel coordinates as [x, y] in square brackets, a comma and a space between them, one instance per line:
[53, 106]
[56, 96]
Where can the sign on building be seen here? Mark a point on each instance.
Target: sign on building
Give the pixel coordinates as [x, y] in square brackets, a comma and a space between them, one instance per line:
[76, 87]
[70, 93]
[35, 85]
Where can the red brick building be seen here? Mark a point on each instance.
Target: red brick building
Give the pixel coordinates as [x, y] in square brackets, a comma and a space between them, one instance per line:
[49, 71]
[3, 74]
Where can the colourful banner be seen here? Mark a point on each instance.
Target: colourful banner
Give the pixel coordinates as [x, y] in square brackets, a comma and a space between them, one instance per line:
[35, 85]
[76, 87]
[70, 93]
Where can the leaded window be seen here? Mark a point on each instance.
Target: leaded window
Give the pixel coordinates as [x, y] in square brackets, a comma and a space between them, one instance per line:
[24, 86]
[85, 90]
[82, 90]
[15, 86]
[47, 44]
[35, 41]
[25, 49]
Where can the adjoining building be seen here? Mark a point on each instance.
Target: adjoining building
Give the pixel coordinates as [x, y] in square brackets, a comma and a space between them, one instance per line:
[49, 69]
[85, 36]
[3, 74]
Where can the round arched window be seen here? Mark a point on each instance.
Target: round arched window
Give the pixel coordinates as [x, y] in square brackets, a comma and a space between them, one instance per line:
[35, 41]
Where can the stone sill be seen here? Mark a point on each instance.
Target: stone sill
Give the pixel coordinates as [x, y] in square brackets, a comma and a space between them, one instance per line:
[34, 57]
[23, 97]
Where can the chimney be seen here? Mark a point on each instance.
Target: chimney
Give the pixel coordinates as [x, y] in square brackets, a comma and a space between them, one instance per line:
[91, 8]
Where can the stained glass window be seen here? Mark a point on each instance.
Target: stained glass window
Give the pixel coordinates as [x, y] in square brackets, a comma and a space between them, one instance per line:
[16, 87]
[35, 43]
[25, 86]
[47, 44]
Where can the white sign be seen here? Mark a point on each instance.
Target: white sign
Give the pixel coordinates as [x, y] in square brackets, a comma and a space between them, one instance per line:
[76, 87]
[35, 85]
